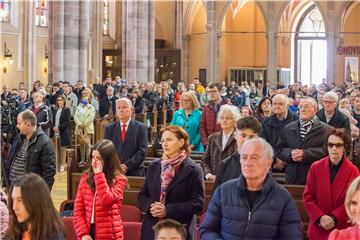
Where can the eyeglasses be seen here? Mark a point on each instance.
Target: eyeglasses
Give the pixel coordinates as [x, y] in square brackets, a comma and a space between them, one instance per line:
[337, 145]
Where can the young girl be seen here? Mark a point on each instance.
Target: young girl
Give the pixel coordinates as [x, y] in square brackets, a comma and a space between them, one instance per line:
[99, 196]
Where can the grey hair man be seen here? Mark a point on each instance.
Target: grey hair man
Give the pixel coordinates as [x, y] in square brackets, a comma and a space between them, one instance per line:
[244, 208]
[301, 142]
[331, 115]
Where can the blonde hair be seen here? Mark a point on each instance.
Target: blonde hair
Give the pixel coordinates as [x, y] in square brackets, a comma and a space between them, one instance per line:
[342, 102]
[353, 188]
[193, 98]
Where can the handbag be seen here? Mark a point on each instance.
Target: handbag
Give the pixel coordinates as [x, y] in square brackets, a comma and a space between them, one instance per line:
[83, 138]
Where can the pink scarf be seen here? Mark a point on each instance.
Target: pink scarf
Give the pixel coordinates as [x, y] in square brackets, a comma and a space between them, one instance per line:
[168, 172]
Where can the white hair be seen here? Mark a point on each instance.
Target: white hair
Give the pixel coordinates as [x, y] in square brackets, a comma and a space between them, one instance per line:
[266, 148]
[282, 97]
[312, 100]
[110, 87]
[126, 100]
[332, 95]
[230, 109]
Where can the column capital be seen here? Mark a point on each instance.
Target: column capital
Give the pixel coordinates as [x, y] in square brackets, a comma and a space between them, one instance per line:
[219, 35]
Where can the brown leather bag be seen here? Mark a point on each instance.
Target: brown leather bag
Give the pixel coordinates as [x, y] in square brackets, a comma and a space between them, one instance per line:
[83, 137]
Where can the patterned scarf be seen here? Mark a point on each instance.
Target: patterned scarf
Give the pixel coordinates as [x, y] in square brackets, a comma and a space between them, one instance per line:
[168, 172]
[305, 126]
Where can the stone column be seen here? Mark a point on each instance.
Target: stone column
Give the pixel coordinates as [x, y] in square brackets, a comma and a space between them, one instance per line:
[271, 44]
[178, 24]
[185, 58]
[331, 44]
[212, 59]
[68, 40]
[138, 40]
[96, 39]
[29, 40]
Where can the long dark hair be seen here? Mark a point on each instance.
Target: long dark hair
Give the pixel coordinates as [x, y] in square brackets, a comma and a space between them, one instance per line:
[111, 167]
[43, 217]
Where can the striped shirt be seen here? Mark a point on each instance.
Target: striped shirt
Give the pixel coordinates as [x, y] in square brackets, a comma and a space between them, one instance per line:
[17, 168]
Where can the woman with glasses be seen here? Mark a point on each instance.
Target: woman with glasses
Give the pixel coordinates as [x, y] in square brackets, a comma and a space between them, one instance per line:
[222, 144]
[189, 117]
[326, 186]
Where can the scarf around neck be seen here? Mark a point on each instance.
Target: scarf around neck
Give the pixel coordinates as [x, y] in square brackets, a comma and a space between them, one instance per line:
[168, 166]
[305, 126]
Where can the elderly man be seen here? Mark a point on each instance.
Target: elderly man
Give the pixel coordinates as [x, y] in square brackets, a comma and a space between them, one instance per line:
[43, 113]
[331, 115]
[130, 138]
[301, 142]
[274, 125]
[253, 206]
[32, 151]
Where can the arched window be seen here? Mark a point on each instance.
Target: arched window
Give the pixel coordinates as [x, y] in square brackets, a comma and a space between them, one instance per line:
[4, 10]
[106, 18]
[310, 48]
[41, 13]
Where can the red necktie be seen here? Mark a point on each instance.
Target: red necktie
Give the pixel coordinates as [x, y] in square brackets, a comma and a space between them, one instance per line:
[123, 132]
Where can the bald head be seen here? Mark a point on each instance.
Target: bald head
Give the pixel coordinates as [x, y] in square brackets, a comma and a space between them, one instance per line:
[280, 104]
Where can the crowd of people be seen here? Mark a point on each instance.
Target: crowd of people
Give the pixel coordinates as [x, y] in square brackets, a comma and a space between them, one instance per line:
[243, 132]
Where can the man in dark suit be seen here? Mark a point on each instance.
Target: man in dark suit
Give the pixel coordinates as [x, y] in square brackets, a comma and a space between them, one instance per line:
[106, 102]
[130, 138]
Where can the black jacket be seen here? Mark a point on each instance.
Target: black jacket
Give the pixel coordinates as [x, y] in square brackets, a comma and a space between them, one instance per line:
[272, 128]
[64, 126]
[185, 196]
[312, 144]
[41, 156]
[338, 120]
[44, 117]
[228, 169]
[274, 214]
[104, 107]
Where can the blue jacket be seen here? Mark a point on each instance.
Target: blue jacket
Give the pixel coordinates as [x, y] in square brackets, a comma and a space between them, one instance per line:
[191, 125]
[274, 214]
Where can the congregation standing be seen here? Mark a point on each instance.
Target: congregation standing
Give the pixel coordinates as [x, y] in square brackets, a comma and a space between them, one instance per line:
[245, 132]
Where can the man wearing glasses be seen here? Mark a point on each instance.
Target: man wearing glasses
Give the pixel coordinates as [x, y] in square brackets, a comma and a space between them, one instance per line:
[246, 128]
[301, 142]
[331, 115]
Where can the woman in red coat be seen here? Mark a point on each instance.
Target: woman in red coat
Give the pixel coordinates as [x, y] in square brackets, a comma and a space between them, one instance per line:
[326, 186]
[99, 196]
[352, 206]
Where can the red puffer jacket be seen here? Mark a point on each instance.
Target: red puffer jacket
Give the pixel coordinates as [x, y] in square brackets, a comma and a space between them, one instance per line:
[108, 224]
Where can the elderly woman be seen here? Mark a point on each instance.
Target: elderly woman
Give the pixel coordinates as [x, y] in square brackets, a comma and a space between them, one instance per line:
[174, 185]
[84, 127]
[188, 117]
[352, 206]
[326, 186]
[221, 144]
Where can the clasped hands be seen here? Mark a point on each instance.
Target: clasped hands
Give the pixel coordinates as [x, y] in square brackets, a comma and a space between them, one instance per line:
[158, 209]
[327, 222]
[297, 155]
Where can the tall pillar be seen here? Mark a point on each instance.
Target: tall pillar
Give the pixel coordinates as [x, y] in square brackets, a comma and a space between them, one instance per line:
[185, 58]
[212, 58]
[178, 23]
[96, 34]
[331, 44]
[271, 44]
[68, 38]
[29, 40]
[138, 40]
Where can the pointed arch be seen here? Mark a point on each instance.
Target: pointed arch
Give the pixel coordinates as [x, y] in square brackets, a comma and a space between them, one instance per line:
[190, 13]
[221, 16]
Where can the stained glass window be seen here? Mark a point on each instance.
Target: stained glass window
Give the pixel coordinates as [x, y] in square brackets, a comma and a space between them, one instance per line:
[41, 13]
[106, 18]
[4, 10]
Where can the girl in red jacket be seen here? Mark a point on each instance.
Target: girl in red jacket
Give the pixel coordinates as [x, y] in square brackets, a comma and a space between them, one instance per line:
[99, 196]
